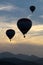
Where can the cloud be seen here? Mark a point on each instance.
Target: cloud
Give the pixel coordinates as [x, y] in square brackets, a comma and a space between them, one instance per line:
[8, 7]
[37, 27]
[41, 16]
[36, 30]
[7, 19]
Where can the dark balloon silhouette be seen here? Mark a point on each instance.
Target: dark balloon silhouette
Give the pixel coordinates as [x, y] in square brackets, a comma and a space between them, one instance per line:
[10, 33]
[24, 25]
[32, 8]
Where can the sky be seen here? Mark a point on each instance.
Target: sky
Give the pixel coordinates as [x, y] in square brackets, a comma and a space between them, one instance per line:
[10, 12]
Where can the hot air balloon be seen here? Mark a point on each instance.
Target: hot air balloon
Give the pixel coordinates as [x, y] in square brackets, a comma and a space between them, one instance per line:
[24, 25]
[10, 33]
[32, 8]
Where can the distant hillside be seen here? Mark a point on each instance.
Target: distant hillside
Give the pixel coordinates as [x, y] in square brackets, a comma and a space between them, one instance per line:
[26, 57]
[19, 56]
[7, 58]
[6, 55]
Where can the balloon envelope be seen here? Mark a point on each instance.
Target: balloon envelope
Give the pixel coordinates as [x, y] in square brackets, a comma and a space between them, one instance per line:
[24, 25]
[10, 33]
[32, 8]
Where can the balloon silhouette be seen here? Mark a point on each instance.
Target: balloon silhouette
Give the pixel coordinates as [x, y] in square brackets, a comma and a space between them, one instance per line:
[10, 33]
[24, 25]
[32, 8]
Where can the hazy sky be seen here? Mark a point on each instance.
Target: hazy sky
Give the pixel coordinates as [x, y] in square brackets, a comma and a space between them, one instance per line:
[10, 12]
